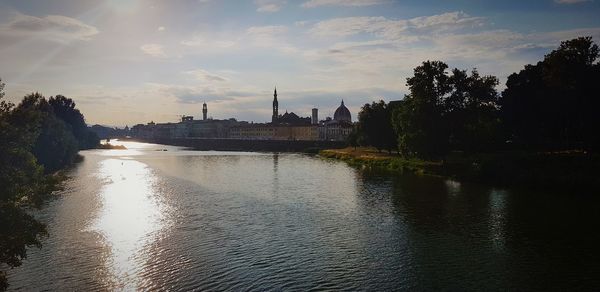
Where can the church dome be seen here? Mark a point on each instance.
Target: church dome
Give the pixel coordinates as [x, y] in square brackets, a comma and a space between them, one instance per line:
[342, 113]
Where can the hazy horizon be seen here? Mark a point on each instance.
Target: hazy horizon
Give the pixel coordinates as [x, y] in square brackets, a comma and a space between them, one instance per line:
[128, 62]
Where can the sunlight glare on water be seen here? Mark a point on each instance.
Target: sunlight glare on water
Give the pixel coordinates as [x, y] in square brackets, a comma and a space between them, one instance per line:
[131, 215]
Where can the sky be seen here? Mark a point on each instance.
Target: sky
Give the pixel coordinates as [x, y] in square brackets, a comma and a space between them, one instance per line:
[126, 62]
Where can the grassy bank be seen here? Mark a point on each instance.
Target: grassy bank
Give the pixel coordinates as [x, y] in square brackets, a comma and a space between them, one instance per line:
[371, 158]
[111, 147]
[568, 169]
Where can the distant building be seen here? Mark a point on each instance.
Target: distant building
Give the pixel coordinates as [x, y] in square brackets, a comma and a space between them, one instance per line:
[251, 131]
[204, 111]
[342, 113]
[188, 128]
[275, 108]
[210, 128]
[260, 131]
[338, 128]
[288, 126]
[291, 119]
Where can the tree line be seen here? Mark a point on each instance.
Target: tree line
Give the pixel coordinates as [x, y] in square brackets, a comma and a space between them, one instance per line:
[38, 137]
[550, 106]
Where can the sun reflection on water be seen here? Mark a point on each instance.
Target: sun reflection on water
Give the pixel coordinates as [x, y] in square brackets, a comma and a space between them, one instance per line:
[130, 218]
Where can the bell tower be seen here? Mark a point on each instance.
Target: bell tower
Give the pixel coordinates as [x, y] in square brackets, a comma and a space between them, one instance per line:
[275, 107]
[204, 111]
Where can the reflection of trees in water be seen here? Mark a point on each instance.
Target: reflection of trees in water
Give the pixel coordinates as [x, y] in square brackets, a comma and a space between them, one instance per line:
[445, 224]
[465, 234]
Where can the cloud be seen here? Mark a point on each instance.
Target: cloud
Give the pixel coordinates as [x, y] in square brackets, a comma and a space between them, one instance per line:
[193, 94]
[349, 26]
[396, 29]
[52, 27]
[209, 43]
[161, 28]
[317, 3]
[382, 51]
[262, 36]
[570, 1]
[244, 41]
[269, 5]
[266, 31]
[204, 75]
[154, 50]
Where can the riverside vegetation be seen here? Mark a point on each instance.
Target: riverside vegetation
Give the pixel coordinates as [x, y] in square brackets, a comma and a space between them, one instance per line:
[38, 138]
[544, 126]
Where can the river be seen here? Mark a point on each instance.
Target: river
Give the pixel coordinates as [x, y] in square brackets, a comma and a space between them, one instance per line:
[157, 217]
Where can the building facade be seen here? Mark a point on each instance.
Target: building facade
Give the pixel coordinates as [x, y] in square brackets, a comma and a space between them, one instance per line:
[288, 126]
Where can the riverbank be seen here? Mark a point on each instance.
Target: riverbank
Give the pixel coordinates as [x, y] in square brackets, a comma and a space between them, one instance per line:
[108, 146]
[569, 169]
[371, 158]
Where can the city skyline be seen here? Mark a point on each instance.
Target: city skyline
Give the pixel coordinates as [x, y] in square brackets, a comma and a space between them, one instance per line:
[129, 62]
[206, 114]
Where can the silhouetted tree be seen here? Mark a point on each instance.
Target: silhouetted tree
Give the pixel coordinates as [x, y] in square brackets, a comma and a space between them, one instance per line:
[376, 126]
[55, 146]
[419, 121]
[471, 111]
[64, 109]
[554, 104]
[446, 112]
[352, 139]
[22, 185]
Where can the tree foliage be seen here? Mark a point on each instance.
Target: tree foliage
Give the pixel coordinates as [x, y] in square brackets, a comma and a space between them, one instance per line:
[418, 121]
[376, 127]
[34, 142]
[55, 146]
[446, 112]
[64, 109]
[553, 104]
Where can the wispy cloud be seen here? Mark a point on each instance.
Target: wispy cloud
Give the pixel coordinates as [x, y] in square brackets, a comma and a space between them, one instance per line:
[269, 5]
[209, 43]
[204, 75]
[154, 50]
[570, 1]
[396, 29]
[266, 32]
[52, 27]
[356, 3]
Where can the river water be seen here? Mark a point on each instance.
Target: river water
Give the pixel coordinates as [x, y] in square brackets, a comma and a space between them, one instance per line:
[157, 217]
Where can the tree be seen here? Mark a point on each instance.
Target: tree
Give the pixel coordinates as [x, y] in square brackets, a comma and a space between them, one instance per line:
[376, 126]
[471, 111]
[55, 146]
[445, 112]
[64, 109]
[553, 104]
[22, 185]
[37, 138]
[419, 120]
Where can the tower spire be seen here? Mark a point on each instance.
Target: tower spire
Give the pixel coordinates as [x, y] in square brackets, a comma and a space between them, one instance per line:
[275, 116]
